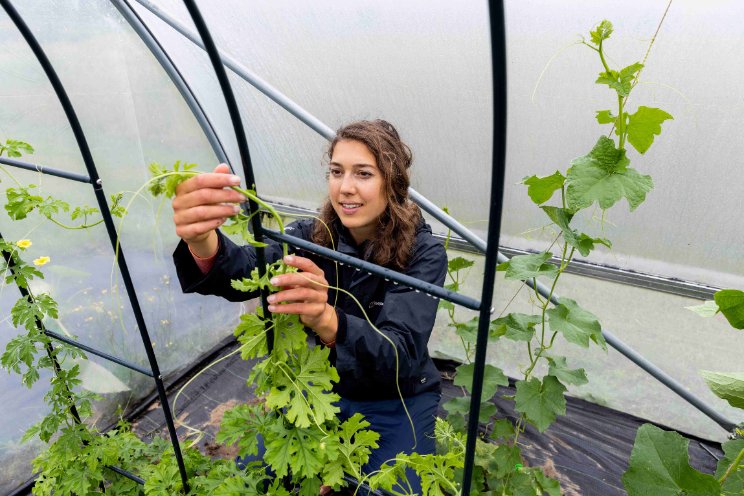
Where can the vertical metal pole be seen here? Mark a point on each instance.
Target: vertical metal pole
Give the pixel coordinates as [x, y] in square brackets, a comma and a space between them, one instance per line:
[245, 156]
[498, 64]
[108, 221]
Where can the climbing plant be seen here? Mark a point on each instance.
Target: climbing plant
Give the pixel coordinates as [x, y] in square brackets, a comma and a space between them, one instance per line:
[660, 463]
[602, 177]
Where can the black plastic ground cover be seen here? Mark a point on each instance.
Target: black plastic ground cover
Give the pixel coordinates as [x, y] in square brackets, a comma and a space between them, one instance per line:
[587, 449]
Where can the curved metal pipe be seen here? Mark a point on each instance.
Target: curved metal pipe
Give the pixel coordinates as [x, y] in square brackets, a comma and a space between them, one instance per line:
[245, 156]
[498, 172]
[107, 218]
[157, 50]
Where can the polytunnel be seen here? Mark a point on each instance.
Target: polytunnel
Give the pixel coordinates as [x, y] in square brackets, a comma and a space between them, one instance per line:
[487, 96]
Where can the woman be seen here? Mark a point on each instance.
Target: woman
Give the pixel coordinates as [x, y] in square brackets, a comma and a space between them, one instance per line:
[370, 217]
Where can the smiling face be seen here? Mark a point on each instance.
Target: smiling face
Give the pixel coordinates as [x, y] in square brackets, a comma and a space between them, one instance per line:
[356, 188]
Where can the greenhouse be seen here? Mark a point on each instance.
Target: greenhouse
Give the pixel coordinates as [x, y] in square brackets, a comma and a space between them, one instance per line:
[552, 305]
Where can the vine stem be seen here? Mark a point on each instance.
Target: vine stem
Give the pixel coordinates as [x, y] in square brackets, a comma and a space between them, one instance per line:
[733, 467]
[387, 338]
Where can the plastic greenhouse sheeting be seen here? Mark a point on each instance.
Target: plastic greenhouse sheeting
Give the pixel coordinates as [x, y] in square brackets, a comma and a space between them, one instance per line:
[424, 66]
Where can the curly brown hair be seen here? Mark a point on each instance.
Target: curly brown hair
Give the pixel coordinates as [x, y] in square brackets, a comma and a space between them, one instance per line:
[393, 244]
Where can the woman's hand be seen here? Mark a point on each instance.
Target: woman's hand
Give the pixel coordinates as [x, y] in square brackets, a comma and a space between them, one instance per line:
[305, 293]
[202, 204]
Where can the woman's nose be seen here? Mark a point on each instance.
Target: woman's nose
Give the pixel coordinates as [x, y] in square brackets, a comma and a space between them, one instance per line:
[347, 184]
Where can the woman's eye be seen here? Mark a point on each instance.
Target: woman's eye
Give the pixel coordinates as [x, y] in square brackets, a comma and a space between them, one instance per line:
[335, 172]
[365, 174]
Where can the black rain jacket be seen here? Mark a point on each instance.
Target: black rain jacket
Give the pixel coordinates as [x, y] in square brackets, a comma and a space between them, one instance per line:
[365, 361]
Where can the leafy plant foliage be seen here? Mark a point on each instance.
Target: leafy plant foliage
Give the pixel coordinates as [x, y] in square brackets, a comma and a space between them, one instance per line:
[601, 177]
[660, 459]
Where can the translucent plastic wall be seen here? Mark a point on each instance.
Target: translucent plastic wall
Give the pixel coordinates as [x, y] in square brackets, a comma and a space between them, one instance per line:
[425, 67]
[132, 115]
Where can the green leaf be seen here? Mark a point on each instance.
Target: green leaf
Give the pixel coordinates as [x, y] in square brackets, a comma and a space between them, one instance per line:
[514, 326]
[559, 369]
[548, 486]
[294, 448]
[468, 331]
[601, 32]
[644, 125]
[21, 202]
[708, 309]
[163, 479]
[731, 304]
[582, 242]
[493, 377]
[251, 333]
[602, 176]
[541, 189]
[734, 483]
[20, 349]
[603, 156]
[605, 117]
[659, 465]
[727, 386]
[356, 442]
[621, 82]
[502, 429]
[459, 263]
[446, 305]
[167, 185]
[461, 406]
[577, 325]
[241, 424]
[541, 401]
[15, 148]
[305, 391]
[523, 267]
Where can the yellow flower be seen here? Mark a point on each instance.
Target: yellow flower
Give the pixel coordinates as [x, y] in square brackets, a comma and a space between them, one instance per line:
[42, 261]
[23, 243]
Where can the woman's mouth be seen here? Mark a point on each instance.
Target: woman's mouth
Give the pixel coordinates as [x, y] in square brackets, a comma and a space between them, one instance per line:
[349, 208]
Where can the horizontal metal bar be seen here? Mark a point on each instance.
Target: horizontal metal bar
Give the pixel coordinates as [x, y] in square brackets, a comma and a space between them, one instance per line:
[618, 275]
[126, 474]
[45, 170]
[101, 354]
[629, 278]
[412, 282]
[668, 381]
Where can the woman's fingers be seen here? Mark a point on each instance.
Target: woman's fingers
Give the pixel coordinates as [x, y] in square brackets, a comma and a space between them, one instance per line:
[311, 276]
[203, 213]
[304, 264]
[299, 295]
[203, 203]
